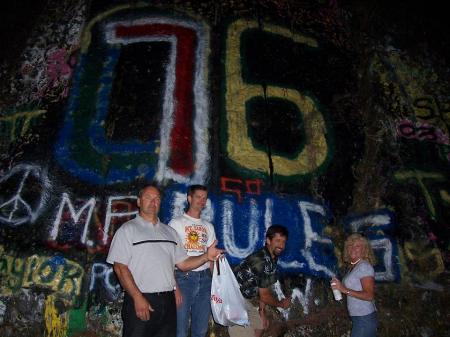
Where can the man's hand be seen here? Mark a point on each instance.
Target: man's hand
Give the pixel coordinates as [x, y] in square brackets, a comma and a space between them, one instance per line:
[267, 298]
[142, 308]
[213, 253]
[178, 297]
[141, 305]
[193, 262]
[336, 284]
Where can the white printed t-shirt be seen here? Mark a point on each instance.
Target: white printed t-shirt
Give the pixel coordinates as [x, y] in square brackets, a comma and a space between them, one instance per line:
[196, 235]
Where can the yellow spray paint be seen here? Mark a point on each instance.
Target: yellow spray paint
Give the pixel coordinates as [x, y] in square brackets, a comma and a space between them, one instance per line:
[55, 324]
[239, 144]
[20, 122]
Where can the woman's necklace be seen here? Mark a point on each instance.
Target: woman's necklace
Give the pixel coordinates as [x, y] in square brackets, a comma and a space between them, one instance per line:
[353, 263]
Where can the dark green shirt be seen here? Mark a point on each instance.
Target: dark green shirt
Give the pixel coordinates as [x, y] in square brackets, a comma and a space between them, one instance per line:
[257, 270]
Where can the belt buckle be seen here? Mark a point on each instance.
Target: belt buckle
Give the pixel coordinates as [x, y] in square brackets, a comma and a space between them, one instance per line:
[161, 293]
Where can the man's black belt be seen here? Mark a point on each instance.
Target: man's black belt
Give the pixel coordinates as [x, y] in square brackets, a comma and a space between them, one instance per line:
[162, 293]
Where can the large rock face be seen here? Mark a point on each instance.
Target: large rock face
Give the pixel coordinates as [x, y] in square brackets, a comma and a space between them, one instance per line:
[328, 119]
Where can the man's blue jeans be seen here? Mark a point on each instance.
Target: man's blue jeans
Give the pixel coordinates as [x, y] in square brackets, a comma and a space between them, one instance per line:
[196, 291]
[364, 326]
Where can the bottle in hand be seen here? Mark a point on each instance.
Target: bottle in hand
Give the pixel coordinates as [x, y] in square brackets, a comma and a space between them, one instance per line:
[336, 293]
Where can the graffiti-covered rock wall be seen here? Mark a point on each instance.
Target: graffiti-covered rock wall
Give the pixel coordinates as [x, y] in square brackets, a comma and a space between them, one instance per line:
[320, 116]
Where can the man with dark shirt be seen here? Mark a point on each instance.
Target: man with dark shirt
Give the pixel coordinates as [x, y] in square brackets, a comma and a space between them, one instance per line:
[255, 275]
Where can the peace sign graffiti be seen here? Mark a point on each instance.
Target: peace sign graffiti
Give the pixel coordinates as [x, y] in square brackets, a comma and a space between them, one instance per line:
[24, 192]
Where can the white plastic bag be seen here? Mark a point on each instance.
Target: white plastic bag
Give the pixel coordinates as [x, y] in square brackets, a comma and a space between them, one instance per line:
[227, 303]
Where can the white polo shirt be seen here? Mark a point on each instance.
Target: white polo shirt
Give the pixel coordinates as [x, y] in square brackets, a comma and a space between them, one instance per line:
[150, 252]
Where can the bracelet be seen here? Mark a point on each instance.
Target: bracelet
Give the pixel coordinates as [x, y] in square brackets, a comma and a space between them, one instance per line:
[347, 292]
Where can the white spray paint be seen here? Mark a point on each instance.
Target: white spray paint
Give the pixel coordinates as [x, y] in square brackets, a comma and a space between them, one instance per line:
[2, 311]
[228, 230]
[89, 205]
[102, 272]
[311, 236]
[200, 106]
[303, 297]
[16, 206]
[386, 245]
[268, 214]
[378, 244]
[377, 219]
[110, 214]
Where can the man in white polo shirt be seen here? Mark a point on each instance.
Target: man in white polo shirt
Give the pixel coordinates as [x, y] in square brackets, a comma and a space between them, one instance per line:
[144, 252]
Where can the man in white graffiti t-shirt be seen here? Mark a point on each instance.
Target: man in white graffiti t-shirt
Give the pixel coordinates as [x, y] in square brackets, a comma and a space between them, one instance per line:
[194, 287]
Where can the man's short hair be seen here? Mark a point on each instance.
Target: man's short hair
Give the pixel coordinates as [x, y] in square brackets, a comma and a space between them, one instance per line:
[191, 189]
[277, 229]
[143, 188]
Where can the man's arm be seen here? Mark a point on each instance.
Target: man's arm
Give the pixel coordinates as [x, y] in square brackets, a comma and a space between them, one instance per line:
[141, 305]
[267, 298]
[193, 262]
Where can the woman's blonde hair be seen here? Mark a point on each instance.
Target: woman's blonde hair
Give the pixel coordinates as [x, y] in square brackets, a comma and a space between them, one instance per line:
[367, 253]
